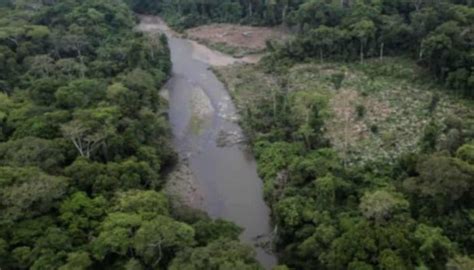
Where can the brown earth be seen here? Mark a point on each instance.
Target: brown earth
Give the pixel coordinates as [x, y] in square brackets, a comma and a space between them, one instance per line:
[249, 37]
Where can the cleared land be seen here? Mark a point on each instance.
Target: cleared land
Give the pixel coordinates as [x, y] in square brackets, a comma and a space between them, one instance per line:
[380, 110]
[237, 40]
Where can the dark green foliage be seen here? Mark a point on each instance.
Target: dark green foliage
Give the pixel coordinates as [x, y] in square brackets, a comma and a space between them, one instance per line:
[84, 143]
[221, 254]
[360, 111]
[337, 79]
[28, 192]
[29, 151]
[210, 230]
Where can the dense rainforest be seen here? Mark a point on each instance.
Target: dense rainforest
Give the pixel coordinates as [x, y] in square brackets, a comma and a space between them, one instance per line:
[83, 145]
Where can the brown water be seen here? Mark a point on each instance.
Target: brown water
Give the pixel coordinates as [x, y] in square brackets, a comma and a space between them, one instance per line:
[207, 137]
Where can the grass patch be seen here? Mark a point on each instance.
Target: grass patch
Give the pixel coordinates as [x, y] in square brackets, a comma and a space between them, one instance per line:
[234, 51]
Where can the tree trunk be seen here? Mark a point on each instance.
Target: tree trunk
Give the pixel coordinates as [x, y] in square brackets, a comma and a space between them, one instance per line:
[361, 52]
[321, 54]
[274, 105]
[283, 14]
[381, 50]
[80, 60]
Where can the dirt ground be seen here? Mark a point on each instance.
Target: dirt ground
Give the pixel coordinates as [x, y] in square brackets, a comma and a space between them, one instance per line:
[248, 37]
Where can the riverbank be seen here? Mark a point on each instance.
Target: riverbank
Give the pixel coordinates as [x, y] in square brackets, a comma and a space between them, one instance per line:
[237, 40]
[208, 137]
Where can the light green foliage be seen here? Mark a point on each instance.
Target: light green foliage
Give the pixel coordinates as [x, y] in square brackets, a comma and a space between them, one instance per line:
[143, 84]
[381, 205]
[460, 263]
[106, 178]
[435, 248]
[31, 151]
[274, 157]
[153, 240]
[466, 153]
[116, 234]
[126, 100]
[26, 192]
[80, 93]
[133, 264]
[281, 267]
[77, 261]
[82, 214]
[220, 254]
[292, 212]
[147, 204]
[210, 230]
[325, 192]
[159, 238]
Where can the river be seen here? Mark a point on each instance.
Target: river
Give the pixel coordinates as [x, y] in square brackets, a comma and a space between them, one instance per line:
[209, 139]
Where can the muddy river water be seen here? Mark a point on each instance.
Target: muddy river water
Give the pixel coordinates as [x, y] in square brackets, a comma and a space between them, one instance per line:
[209, 140]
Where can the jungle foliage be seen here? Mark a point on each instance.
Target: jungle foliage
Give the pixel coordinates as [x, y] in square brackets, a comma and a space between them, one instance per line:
[84, 142]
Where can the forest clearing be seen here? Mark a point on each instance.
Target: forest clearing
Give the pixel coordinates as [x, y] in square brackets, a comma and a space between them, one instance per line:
[236, 40]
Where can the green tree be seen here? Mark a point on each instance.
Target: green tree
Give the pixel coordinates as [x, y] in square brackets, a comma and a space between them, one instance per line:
[381, 205]
[220, 254]
[147, 204]
[81, 215]
[435, 248]
[441, 180]
[76, 261]
[159, 239]
[363, 31]
[26, 192]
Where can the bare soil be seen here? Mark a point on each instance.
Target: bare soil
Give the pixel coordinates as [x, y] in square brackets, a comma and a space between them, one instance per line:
[239, 36]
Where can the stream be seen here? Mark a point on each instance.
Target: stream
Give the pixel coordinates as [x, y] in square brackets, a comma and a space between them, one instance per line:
[210, 141]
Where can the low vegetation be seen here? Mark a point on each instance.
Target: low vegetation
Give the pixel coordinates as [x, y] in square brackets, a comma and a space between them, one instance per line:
[378, 112]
